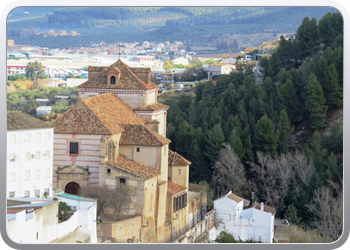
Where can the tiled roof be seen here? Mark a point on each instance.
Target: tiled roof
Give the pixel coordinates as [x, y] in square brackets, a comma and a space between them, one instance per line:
[235, 198]
[174, 159]
[134, 168]
[174, 188]
[154, 107]
[111, 110]
[128, 79]
[267, 209]
[17, 120]
[81, 121]
[140, 135]
[102, 114]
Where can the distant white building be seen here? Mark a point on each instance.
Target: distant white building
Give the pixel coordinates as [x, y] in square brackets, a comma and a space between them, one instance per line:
[43, 110]
[255, 222]
[29, 156]
[181, 60]
[219, 69]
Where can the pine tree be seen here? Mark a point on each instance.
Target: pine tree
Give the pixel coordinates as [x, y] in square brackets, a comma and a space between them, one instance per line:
[214, 140]
[288, 100]
[286, 129]
[237, 144]
[331, 87]
[266, 137]
[315, 103]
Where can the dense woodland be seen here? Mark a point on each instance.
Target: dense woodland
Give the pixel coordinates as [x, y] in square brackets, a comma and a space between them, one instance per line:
[241, 136]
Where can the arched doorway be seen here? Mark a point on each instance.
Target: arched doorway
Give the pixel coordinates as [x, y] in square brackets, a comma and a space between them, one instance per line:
[72, 188]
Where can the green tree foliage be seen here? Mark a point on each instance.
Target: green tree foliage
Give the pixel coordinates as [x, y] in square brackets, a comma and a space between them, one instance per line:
[266, 136]
[291, 215]
[335, 140]
[35, 71]
[167, 65]
[225, 237]
[288, 100]
[307, 37]
[315, 103]
[331, 87]
[330, 29]
[63, 211]
[286, 129]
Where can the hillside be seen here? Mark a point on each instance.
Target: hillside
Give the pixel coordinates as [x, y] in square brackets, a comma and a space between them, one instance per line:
[200, 25]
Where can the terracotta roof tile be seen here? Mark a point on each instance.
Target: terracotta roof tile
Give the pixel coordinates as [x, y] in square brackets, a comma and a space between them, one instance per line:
[154, 107]
[17, 120]
[102, 114]
[134, 168]
[128, 79]
[174, 188]
[140, 135]
[81, 121]
[235, 198]
[267, 209]
[111, 110]
[174, 159]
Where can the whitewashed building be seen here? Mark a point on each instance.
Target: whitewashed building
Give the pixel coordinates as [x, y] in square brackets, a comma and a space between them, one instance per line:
[255, 222]
[34, 220]
[29, 156]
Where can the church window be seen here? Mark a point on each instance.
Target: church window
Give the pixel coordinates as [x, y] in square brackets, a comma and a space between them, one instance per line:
[137, 149]
[73, 147]
[108, 170]
[113, 80]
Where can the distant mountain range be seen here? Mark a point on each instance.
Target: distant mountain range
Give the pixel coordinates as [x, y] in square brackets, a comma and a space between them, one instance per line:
[196, 25]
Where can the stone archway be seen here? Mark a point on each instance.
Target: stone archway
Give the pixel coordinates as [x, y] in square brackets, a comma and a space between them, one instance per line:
[72, 188]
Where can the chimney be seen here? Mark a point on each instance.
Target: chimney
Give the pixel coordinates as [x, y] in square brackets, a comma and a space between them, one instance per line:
[262, 206]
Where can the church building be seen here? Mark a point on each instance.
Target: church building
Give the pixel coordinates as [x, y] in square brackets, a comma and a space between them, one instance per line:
[116, 135]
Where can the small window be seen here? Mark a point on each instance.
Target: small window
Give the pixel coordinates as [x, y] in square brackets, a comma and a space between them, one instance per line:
[12, 157]
[137, 149]
[122, 181]
[46, 192]
[108, 170]
[179, 171]
[113, 80]
[27, 194]
[47, 136]
[12, 139]
[47, 173]
[37, 174]
[47, 155]
[73, 147]
[27, 175]
[38, 136]
[28, 137]
[11, 194]
[37, 155]
[28, 156]
[37, 193]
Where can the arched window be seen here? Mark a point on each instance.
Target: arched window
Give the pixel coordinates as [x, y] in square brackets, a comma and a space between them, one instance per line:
[113, 80]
